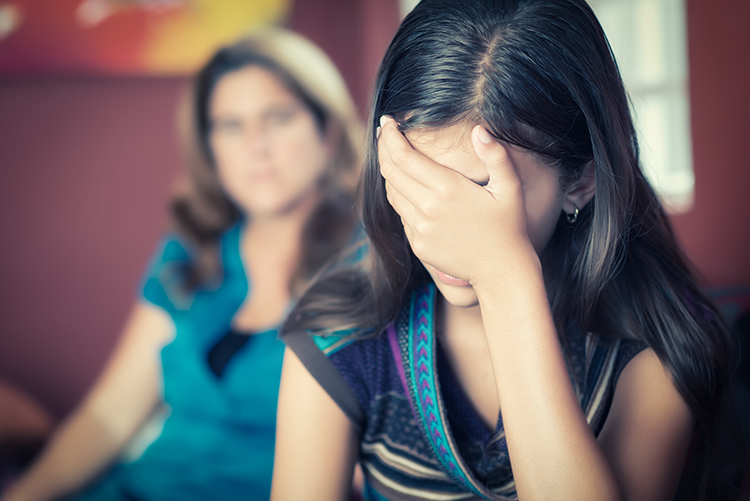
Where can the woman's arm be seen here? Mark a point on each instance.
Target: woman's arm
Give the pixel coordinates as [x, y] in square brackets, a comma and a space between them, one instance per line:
[316, 445]
[123, 397]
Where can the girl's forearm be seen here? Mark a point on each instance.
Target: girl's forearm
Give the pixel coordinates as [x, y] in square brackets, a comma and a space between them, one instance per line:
[553, 452]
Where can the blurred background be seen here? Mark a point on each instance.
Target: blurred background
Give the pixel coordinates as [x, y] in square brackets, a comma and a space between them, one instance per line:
[88, 154]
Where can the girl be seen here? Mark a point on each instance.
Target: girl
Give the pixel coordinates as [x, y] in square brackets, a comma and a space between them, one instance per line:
[269, 200]
[523, 304]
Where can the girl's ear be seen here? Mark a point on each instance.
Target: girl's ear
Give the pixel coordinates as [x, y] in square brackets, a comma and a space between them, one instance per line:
[580, 192]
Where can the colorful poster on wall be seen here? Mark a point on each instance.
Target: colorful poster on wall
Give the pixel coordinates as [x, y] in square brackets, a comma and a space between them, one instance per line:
[123, 37]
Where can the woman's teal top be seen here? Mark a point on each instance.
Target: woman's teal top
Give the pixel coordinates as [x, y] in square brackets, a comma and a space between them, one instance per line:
[218, 440]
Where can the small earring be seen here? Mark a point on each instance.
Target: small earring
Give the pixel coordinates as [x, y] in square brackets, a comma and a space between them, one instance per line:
[573, 216]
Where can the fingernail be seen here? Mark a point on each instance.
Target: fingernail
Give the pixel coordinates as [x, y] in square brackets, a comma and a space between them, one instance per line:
[377, 133]
[483, 135]
[383, 119]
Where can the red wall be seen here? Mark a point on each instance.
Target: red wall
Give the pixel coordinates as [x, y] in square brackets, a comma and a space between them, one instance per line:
[716, 232]
[86, 165]
[85, 169]
[355, 33]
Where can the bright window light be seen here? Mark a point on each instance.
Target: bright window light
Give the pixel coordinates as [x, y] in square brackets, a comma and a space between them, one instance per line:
[407, 6]
[649, 40]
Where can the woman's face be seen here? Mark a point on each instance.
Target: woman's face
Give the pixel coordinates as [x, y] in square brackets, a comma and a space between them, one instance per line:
[268, 150]
[542, 194]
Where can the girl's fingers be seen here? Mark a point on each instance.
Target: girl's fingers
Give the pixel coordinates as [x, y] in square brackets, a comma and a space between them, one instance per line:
[403, 208]
[396, 176]
[393, 173]
[401, 204]
[495, 158]
[397, 154]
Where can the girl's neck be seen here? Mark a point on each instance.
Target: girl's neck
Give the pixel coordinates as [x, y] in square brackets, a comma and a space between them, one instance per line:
[458, 325]
[465, 348]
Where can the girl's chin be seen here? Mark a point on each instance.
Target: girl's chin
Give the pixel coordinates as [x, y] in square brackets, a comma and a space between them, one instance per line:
[449, 280]
[460, 297]
[462, 302]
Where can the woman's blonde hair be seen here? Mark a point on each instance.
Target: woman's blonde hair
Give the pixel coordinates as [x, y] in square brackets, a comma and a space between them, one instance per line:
[200, 209]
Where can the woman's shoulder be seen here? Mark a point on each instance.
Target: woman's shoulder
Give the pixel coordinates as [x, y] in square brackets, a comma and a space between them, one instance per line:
[176, 247]
[163, 282]
[171, 248]
[160, 284]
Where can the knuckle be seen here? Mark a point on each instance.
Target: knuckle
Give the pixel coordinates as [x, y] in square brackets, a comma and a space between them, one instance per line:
[399, 154]
[421, 227]
[384, 168]
[429, 207]
[417, 246]
[444, 191]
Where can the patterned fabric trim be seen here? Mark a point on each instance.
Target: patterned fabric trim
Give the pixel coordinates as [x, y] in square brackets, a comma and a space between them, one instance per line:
[419, 359]
[335, 341]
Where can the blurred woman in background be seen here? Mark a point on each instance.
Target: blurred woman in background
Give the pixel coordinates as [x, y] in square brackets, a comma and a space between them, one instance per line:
[273, 160]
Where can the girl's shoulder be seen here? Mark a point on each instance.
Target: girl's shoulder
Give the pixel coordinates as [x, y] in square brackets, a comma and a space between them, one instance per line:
[357, 366]
[595, 363]
[350, 365]
[352, 351]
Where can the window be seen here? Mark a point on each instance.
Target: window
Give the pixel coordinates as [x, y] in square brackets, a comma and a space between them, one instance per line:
[407, 6]
[649, 40]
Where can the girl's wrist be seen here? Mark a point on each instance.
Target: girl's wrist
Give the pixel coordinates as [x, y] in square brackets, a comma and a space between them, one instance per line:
[509, 274]
[516, 302]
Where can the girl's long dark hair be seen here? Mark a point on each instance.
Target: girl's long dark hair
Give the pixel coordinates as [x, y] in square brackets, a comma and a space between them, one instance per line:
[201, 210]
[538, 74]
